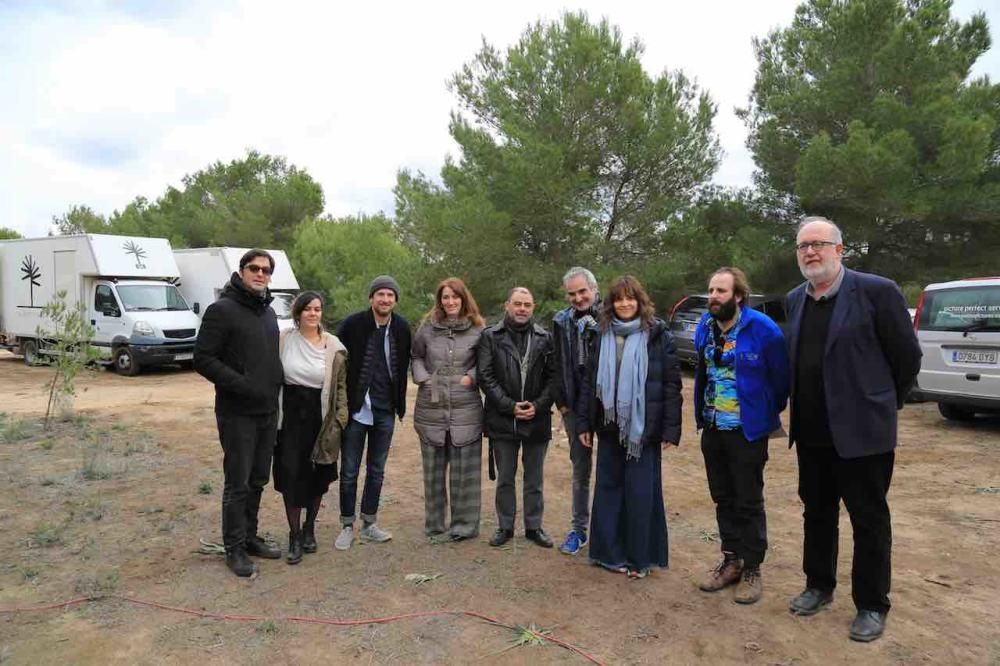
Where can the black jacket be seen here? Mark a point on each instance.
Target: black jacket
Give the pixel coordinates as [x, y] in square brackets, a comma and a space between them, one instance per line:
[872, 359]
[663, 391]
[498, 369]
[354, 332]
[565, 347]
[237, 350]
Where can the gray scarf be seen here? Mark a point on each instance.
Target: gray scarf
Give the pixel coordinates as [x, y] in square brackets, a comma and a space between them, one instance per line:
[622, 389]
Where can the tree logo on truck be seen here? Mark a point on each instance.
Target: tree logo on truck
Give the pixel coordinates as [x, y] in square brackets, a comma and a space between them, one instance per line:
[32, 274]
[131, 247]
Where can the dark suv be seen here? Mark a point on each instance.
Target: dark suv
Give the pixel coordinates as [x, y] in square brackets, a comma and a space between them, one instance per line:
[687, 313]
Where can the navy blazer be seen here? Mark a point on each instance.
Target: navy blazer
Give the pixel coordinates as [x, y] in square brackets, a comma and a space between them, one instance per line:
[872, 359]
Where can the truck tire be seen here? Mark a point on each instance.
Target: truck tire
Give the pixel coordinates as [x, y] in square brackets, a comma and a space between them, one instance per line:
[124, 362]
[956, 413]
[29, 348]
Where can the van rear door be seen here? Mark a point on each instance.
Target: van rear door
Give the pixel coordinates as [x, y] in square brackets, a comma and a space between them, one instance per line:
[959, 332]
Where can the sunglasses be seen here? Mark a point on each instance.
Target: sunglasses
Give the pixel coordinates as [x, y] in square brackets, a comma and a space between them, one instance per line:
[254, 268]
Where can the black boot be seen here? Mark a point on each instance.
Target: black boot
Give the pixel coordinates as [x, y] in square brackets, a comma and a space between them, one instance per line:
[294, 547]
[309, 538]
[238, 562]
[257, 547]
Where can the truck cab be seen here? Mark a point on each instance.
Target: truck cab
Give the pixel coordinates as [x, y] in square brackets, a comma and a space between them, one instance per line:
[141, 323]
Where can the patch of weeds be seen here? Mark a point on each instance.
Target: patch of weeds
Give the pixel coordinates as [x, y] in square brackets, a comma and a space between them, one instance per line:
[135, 446]
[47, 481]
[267, 627]
[530, 636]
[46, 535]
[47, 444]
[29, 573]
[119, 427]
[205, 488]
[93, 509]
[100, 584]
[13, 430]
[95, 465]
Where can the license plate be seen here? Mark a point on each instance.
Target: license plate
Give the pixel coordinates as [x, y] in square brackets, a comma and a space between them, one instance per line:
[184, 357]
[979, 356]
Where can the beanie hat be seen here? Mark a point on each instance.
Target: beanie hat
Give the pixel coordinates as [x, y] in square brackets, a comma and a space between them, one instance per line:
[383, 282]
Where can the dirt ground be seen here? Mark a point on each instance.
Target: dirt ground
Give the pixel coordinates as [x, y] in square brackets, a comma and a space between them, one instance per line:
[115, 503]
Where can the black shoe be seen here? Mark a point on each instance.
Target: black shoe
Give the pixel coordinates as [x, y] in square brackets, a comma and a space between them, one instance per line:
[538, 537]
[294, 547]
[810, 601]
[239, 563]
[501, 536]
[257, 547]
[309, 538]
[867, 626]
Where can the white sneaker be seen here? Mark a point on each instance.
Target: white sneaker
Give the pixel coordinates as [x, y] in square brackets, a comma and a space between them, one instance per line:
[374, 534]
[345, 538]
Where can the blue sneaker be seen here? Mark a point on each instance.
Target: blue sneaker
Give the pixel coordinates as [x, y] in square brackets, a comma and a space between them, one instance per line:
[573, 543]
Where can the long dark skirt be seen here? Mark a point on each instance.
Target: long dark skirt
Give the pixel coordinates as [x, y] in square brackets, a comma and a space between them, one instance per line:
[628, 525]
[295, 475]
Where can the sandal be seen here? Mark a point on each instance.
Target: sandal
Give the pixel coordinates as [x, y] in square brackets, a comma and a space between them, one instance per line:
[636, 574]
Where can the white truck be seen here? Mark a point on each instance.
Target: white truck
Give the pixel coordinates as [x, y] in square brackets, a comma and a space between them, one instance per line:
[205, 271]
[124, 283]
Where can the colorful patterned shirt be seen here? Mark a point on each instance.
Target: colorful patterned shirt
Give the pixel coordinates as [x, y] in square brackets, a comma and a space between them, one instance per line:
[722, 406]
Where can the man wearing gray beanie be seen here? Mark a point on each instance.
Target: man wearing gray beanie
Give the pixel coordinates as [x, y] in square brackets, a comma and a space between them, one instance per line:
[378, 346]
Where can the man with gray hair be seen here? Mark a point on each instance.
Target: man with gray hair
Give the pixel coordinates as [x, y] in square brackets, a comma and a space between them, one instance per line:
[514, 368]
[573, 332]
[854, 357]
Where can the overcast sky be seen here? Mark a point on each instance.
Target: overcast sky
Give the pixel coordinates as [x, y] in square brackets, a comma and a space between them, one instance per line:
[103, 101]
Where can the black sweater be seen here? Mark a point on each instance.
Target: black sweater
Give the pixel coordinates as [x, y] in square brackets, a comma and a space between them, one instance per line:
[812, 427]
[237, 350]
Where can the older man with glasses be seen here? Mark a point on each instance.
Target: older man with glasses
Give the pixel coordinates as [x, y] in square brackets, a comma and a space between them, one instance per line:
[854, 357]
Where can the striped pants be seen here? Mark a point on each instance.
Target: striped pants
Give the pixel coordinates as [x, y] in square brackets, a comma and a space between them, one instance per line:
[463, 466]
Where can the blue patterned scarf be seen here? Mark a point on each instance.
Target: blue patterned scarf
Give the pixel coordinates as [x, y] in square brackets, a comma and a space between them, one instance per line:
[623, 390]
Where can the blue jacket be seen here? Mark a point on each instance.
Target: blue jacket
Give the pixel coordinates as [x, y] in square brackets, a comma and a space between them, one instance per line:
[761, 373]
[872, 359]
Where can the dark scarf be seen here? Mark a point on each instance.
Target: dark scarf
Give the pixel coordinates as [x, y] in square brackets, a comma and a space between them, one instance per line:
[518, 333]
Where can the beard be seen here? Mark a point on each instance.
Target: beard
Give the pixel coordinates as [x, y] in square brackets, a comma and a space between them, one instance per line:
[822, 272]
[725, 311]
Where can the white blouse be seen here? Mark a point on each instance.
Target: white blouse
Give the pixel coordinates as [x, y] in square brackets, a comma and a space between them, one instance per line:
[303, 363]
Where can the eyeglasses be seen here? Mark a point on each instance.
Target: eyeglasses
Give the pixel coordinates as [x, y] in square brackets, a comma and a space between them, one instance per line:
[815, 245]
[254, 268]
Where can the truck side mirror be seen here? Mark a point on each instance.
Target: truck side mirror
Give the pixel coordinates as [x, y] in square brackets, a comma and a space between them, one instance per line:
[196, 308]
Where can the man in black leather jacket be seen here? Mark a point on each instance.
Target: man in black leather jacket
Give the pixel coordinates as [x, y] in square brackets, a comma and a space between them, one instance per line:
[237, 350]
[515, 371]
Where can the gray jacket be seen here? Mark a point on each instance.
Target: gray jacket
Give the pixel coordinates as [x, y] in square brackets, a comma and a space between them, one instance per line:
[441, 356]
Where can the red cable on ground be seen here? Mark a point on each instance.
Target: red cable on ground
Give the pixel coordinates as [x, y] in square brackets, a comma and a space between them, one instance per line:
[298, 618]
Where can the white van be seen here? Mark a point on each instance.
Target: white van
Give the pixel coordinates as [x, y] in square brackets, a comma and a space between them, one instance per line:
[124, 283]
[958, 325]
[205, 271]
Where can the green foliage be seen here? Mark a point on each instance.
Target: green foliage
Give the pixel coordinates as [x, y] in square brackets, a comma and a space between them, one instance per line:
[68, 339]
[256, 201]
[570, 154]
[205, 488]
[12, 429]
[864, 111]
[340, 257]
[8, 234]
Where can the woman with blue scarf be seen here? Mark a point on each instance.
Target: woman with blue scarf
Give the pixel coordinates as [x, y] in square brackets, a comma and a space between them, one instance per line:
[631, 398]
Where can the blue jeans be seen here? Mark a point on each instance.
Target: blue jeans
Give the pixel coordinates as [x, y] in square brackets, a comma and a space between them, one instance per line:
[352, 447]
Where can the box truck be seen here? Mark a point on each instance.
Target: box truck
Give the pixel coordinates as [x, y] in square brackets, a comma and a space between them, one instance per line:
[124, 283]
[205, 271]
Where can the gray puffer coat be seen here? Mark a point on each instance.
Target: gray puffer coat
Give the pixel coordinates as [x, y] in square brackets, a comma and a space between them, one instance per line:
[442, 354]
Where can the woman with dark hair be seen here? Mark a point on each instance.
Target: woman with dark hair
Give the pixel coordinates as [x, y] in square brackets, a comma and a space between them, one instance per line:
[449, 413]
[312, 413]
[631, 397]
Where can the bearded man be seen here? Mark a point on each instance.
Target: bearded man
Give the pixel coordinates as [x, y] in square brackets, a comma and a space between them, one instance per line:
[741, 387]
[854, 356]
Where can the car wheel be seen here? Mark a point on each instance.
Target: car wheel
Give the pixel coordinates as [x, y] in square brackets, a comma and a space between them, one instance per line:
[29, 349]
[956, 413]
[124, 362]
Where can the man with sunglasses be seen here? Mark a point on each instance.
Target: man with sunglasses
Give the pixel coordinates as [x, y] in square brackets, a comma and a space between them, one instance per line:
[854, 358]
[237, 350]
[740, 389]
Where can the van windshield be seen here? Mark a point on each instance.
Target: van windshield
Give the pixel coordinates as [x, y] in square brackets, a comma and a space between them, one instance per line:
[961, 309]
[151, 298]
[282, 304]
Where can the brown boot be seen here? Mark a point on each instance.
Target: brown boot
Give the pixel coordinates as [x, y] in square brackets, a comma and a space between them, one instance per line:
[750, 587]
[726, 573]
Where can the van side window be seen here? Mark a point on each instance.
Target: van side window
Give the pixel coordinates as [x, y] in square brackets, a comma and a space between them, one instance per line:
[104, 301]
